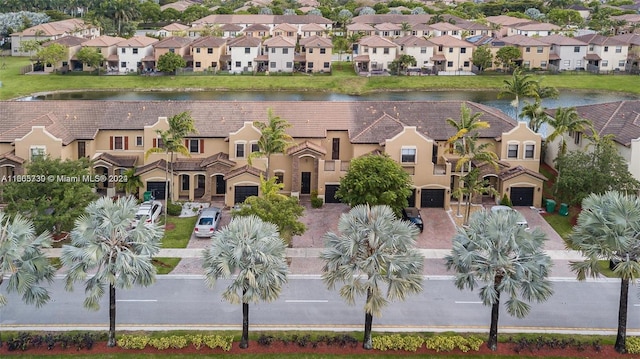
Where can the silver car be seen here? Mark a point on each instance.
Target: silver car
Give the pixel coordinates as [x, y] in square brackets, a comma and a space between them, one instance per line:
[208, 222]
[149, 211]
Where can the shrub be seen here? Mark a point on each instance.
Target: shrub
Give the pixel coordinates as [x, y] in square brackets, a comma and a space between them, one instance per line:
[174, 209]
[197, 341]
[506, 201]
[316, 202]
[133, 341]
[633, 345]
[398, 342]
[160, 343]
[217, 341]
[448, 343]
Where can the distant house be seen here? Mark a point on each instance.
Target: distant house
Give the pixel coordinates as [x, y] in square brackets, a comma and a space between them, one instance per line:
[231, 30]
[107, 45]
[257, 30]
[418, 47]
[280, 53]
[73, 44]
[566, 53]
[51, 31]
[360, 29]
[317, 52]
[136, 54]
[173, 29]
[374, 53]
[388, 30]
[452, 54]
[207, 53]
[534, 53]
[285, 30]
[243, 53]
[632, 41]
[309, 30]
[535, 28]
[444, 28]
[173, 44]
[605, 53]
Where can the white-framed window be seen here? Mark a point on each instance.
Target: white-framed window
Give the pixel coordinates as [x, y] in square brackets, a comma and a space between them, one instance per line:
[194, 145]
[622, 63]
[567, 63]
[323, 51]
[618, 49]
[423, 50]
[327, 65]
[272, 64]
[512, 150]
[606, 49]
[135, 50]
[279, 177]
[197, 50]
[529, 150]
[527, 49]
[604, 63]
[386, 51]
[408, 155]
[247, 50]
[463, 50]
[209, 50]
[449, 63]
[255, 147]
[240, 149]
[289, 64]
[576, 49]
[198, 64]
[543, 64]
[310, 50]
[37, 152]
[539, 49]
[118, 142]
[139, 141]
[285, 51]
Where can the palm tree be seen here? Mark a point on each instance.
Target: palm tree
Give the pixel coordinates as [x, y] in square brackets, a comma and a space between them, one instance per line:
[273, 138]
[172, 139]
[406, 28]
[474, 185]
[251, 252]
[505, 257]
[374, 255]
[22, 261]
[608, 229]
[468, 123]
[518, 86]
[566, 119]
[535, 113]
[105, 250]
[132, 184]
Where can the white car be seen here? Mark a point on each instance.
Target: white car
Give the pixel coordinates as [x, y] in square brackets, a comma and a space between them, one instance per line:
[150, 211]
[521, 220]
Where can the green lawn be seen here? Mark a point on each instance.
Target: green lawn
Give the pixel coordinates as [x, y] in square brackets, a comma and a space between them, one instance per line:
[560, 224]
[179, 236]
[165, 265]
[342, 80]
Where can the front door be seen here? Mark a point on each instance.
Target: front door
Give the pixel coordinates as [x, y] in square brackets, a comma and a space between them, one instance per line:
[221, 185]
[305, 187]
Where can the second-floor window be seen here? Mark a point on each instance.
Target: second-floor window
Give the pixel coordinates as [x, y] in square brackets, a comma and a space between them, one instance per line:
[255, 147]
[139, 141]
[576, 49]
[529, 151]
[197, 50]
[335, 149]
[512, 151]
[539, 50]
[310, 50]
[463, 50]
[195, 145]
[247, 50]
[423, 50]
[119, 143]
[323, 51]
[37, 152]
[386, 51]
[408, 155]
[240, 150]
[279, 177]
[210, 50]
[135, 51]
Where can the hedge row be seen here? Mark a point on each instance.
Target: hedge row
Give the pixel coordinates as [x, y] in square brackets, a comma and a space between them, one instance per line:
[438, 343]
[176, 342]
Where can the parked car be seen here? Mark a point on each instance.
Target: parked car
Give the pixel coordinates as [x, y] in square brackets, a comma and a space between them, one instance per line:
[208, 222]
[150, 211]
[521, 220]
[412, 214]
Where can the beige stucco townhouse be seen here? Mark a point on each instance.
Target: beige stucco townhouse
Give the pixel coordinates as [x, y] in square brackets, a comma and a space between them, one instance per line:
[317, 52]
[107, 47]
[207, 53]
[72, 44]
[327, 136]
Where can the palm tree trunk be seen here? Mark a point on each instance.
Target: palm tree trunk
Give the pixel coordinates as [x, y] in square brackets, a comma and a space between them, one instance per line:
[621, 338]
[166, 190]
[367, 343]
[112, 316]
[492, 343]
[244, 342]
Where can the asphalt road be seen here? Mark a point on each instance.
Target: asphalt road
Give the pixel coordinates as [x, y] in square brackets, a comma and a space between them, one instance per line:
[181, 302]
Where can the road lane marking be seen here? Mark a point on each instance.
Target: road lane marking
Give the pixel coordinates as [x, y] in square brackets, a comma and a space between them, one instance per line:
[463, 302]
[306, 301]
[136, 300]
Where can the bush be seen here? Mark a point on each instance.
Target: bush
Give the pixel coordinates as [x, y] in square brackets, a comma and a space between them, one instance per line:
[316, 202]
[133, 341]
[398, 342]
[448, 343]
[633, 345]
[217, 341]
[174, 209]
[506, 201]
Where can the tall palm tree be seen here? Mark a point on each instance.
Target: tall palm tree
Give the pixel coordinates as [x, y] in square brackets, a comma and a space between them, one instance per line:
[273, 138]
[518, 86]
[566, 119]
[251, 252]
[132, 183]
[504, 257]
[172, 139]
[375, 256]
[106, 251]
[22, 260]
[535, 113]
[406, 28]
[466, 125]
[609, 228]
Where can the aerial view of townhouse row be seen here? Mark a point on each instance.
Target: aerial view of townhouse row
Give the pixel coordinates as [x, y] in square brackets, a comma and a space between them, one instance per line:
[361, 194]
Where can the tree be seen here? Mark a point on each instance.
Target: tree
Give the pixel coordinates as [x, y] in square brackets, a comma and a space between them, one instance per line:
[402, 63]
[482, 57]
[274, 207]
[251, 253]
[608, 229]
[565, 17]
[170, 62]
[375, 179]
[504, 257]
[30, 46]
[55, 198]
[120, 12]
[172, 139]
[273, 138]
[507, 56]
[597, 171]
[171, 14]
[375, 256]
[518, 86]
[150, 11]
[132, 184]
[535, 113]
[366, 11]
[22, 260]
[90, 56]
[105, 250]
[566, 119]
[468, 124]
[194, 12]
[53, 54]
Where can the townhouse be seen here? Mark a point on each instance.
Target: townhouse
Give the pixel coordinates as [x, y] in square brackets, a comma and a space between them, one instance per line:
[633, 51]
[374, 53]
[418, 47]
[72, 44]
[605, 53]
[243, 52]
[107, 46]
[51, 31]
[118, 135]
[136, 54]
[316, 52]
[451, 54]
[207, 53]
[566, 53]
[279, 54]
[534, 53]
[173, 44]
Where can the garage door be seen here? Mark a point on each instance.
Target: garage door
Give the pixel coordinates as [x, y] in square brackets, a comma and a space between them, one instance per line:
[242, 192]
[522, 196]
[432, 198]
[157, 189]
[330, 193]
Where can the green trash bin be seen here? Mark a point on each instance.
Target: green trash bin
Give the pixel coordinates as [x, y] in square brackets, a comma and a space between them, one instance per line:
[551, 205]
[564, 209]
[147, 196]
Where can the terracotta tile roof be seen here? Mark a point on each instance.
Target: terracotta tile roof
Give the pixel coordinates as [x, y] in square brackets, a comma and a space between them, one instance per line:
[113, 57]
[376, 41]
[181, 5]
[262, 19]
[620, 119]
[553, 56]
[598, 39]
[285, 27]
[360, 27]
[629, 39]
[413, 41]
[505, 20]
[387, 125]
[387, 26]
[392, 18]
[449, 41]
[118, 161]
[187, 164]
[55, 28]
[256, 27]
[244, 41]
[513, 172]
[209, 41]
[11, 156]
[173, 42]
[280, 41]
[438, 57]
[521, 40]
[361, 58]
[592, 57]
[103, 41]
[244, 169]
[137, 41]
[444, 26]
[231, 27]
[66, 41]
[316, 41]
[175, 27]
[159, 164]
[219, 157]
[306, 145]
[312, 27]
[560, 40]
[537, 26]
[472, 25]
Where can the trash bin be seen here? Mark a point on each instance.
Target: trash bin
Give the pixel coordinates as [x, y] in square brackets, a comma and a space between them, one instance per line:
[564, 209]
[147, 196]
[551, 205]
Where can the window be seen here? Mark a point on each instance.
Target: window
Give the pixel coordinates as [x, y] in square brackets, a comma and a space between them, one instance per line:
[577, 137]
[592, 47]
[465, 64]
[139, 141]
[323, 51]
[123, 64]
[440, 48]
[618, 49]
[567, 63]
[289, 65]
[543, 64]
[309, 65]
[327, 65]
[185, 183]
[135, 51]
[173, 51]
[606, 49]
[526, 64]
[123, 50]
[285, 51]
[37, 152]
[210, 50]
[197, 50]
[82, 149]
[247, 50]
[249, 64]
[279, 177]
[118, 143]
[240, 150]
[539, 49]
[449, 63]
[451, 50]
[423, 50]
[529, 151]
[408, 155]
[576, 49]
[194, 146]
[272, 64]
[311, 51]
[335, 149]
[512, 151]
[386, 51]
[374, 50]
[604, 63]
[273, 50]
[238, 64]
[198, 64]
[255, 147]
[621, 63]
[527, 49]
[463, 50]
